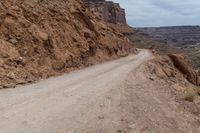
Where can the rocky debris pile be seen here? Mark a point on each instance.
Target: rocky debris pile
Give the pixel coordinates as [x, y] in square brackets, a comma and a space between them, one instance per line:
[182, 63]
[108, 10]
[39, 39]
[163, 68]
[162, 71]
[175, 68]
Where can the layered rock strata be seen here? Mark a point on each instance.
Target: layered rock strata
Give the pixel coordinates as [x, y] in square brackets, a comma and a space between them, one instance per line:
[108, 10]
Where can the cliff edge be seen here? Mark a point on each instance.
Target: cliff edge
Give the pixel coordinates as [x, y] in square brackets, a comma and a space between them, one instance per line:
[108, 10]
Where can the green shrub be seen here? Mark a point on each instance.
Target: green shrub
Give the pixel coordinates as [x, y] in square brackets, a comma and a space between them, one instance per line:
[190, 95]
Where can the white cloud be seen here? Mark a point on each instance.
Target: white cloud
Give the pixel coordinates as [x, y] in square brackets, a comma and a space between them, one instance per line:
[161, 12]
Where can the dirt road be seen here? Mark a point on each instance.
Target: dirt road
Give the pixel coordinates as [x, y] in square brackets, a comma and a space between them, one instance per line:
[107, 98]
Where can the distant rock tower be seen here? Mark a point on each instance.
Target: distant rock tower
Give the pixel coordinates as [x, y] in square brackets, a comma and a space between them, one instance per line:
[108, 10]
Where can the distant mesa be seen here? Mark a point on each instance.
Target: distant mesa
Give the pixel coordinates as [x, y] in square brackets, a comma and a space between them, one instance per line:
[180, 36]
[186, 38]
[111, 12]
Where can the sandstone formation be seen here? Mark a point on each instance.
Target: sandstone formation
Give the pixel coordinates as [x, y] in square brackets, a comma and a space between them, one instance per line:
[183, 65]
[175, 71]
[163, 68]
[40, 38]
[108, 10]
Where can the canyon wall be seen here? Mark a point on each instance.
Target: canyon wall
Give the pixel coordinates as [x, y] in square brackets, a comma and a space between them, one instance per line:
[187, 38]
[181, 36]
[108, 10]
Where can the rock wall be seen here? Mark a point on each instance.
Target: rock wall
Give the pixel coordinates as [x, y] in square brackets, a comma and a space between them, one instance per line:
[184, 66]
[108, 10]
[39, 39]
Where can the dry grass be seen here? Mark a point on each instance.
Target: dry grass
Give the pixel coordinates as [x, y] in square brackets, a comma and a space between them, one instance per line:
[190, 95]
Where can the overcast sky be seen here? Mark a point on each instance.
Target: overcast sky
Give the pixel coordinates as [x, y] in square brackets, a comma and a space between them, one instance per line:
[143, 13]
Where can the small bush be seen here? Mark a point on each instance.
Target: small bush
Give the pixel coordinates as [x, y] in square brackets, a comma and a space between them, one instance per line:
[190, 95]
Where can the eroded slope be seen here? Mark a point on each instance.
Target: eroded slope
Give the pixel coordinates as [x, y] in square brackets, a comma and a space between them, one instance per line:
[40, 38]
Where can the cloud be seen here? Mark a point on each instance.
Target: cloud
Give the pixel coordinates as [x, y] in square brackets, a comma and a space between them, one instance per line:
[141, 13]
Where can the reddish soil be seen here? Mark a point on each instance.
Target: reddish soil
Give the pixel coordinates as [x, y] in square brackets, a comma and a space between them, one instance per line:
[39, 39]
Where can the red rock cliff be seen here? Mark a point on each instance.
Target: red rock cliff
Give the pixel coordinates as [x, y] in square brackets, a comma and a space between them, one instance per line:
[108, 10]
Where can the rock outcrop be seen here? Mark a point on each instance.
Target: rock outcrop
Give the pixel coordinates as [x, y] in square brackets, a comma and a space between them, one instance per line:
[183, 65]
[108, 10]
[43, 38]
[173, 68]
